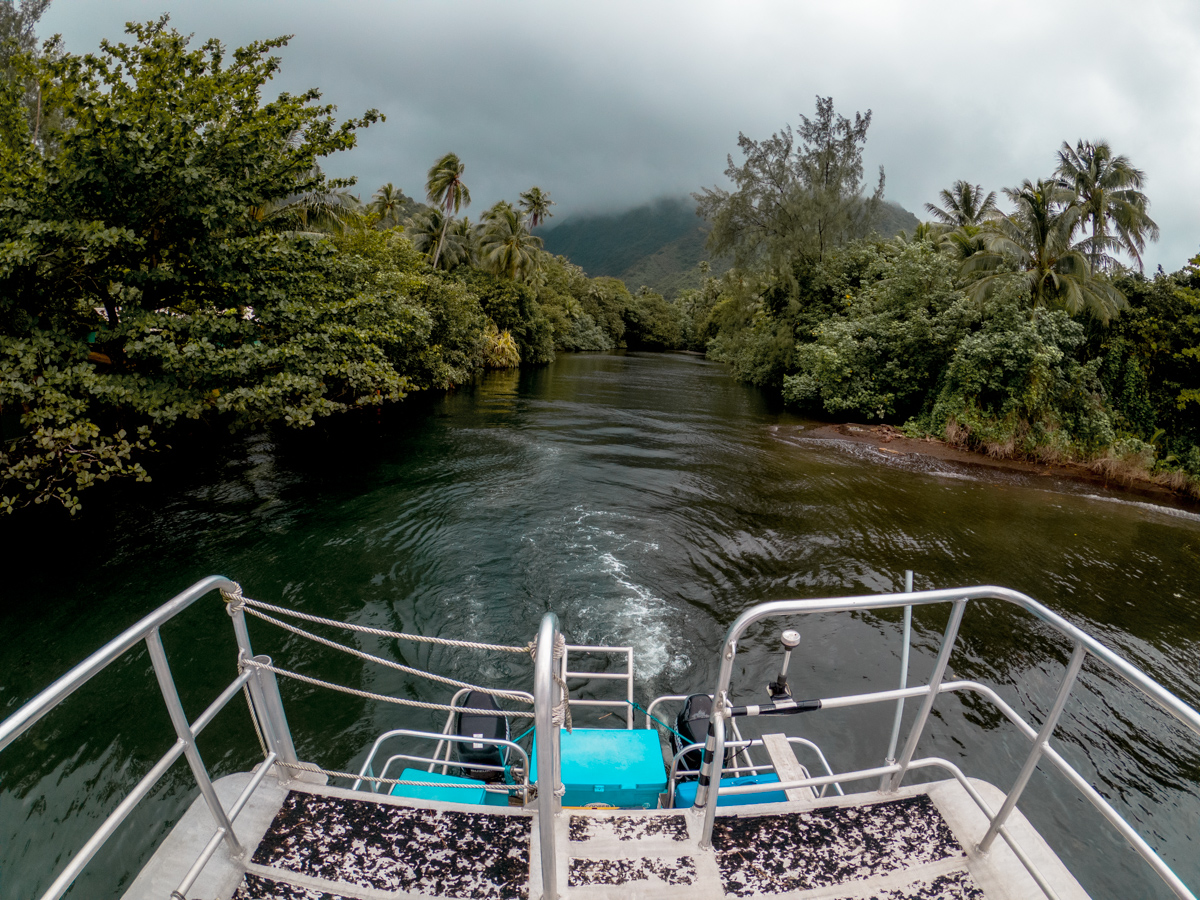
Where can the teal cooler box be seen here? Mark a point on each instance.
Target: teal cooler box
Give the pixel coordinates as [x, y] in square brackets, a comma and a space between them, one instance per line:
[621, 767]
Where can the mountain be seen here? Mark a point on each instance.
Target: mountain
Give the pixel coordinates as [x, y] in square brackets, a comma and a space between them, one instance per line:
[660, 245]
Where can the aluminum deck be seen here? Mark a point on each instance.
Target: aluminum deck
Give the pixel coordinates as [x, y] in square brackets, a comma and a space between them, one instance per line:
[314, 842]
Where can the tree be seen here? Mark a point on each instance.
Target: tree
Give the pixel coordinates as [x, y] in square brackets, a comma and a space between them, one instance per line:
[388, 203]
[964, 204]
[18, 43]
[506, 247]
[794, 202]
[144, 205]
[1038, 241]
[429, 230]
[445, 189]
[1108, 191]
[536, 203]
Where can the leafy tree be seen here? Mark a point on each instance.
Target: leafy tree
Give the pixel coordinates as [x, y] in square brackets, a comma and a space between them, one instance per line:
[536, 203]
[1037, 240]
[144, 206]
[18, 46]
[881, 355]
[651, 323]
[794, 202]
[964, 204]
[445, 189]
[1108, 191]
[505, 245]
[1015, 387]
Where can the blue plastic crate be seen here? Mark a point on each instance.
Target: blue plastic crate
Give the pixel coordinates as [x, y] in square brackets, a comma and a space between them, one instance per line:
[479, 797]
[685, 793]
[619, 767]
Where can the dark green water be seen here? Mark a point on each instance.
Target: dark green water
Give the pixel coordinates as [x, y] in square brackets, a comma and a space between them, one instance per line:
[647, 500]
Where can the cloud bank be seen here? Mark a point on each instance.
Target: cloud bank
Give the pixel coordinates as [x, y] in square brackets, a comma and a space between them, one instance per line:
[610, 105]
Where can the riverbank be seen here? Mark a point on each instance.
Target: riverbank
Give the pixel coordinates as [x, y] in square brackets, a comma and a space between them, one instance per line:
[889, 440]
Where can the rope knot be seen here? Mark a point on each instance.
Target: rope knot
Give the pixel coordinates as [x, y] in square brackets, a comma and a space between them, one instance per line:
[234, 602]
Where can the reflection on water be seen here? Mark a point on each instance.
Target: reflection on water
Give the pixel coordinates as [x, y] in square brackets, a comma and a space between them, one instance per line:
[647, 500]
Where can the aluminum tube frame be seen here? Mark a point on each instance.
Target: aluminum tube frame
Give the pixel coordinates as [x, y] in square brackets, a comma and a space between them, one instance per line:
[215, 841]
[949, 638]
[890, 756]
[1039, 746]
[16, 724]
[1130, 673]
[1106, 809]
[547, 695]
[264, 694]
[166, 684]
[114, 820]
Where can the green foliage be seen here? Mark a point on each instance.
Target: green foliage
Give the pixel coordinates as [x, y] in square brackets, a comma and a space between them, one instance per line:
[651, 323]
[882, 354]
[1014, 387]
[125, 213]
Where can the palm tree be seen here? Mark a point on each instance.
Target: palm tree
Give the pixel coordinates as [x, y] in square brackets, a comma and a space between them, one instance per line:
[445, 189]
[1037, 240]
[505, 245]
[1107, 189]
[429, 229]
[536, 203]
[387, 203]
[964, 204]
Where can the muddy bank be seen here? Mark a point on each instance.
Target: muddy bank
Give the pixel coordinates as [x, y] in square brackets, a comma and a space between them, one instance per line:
[889, 441]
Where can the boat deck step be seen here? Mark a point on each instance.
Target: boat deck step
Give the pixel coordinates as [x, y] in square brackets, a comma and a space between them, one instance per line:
[324, 843]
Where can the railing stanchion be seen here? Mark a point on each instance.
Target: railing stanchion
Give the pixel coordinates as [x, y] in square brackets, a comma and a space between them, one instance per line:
[1039, 745]
[547, 696]
[264, 694]
[935, 682]
[890, 756]
[166, 684]
[709, 782]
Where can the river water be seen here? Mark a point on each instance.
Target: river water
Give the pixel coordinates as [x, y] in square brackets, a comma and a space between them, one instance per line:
[647, 499]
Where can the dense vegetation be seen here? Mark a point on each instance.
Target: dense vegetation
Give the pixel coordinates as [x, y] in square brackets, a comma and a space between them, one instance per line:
[1019, 334]
[172, 258]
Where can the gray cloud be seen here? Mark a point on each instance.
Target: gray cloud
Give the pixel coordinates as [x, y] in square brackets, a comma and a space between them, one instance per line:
[608, 105]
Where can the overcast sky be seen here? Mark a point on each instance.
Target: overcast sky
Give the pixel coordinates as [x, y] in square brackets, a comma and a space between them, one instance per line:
[609, 104]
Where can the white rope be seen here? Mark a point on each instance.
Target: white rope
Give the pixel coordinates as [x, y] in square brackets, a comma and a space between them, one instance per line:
[381, 632]
[408, 670]
[370, 695]
[492, 788]
[561, 714]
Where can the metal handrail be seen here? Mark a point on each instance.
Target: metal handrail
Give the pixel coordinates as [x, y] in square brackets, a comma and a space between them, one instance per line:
[676, 774]
[709, 788]
[147, 630]
[25, 717]
[547, 697]
[626, 705]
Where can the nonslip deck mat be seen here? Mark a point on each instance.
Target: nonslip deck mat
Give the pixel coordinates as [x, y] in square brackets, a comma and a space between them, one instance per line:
[255, 887]
[397, 848]
[586, 872]
[951, 886]
[829, 846]
[628, 828]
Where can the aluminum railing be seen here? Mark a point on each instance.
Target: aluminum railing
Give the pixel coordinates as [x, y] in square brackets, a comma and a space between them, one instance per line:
[624, 706]
[267, 704]
[367, 772]
[893, 774]
[548, 695]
